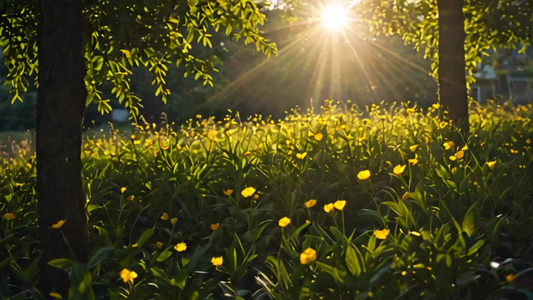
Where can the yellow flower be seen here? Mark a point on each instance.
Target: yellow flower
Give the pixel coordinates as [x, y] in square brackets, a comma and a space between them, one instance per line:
[128, 275]
[413, 148]
[180, 247]
[363, 175]
[319, 136]
[217, 261]
[283, 222]
[329, 207]
[159, 245]
[453, 158]
[339, 204]
[247, 153]
[174, 221]
[410, 111]
[413, 161]
[198, 116]
[122, 190]
[310, 203]
[491, 164]
[454, 170]
[436, 106]
[528, 141]
[211, 134]
[308, 256]
[399, 169]
[514, 151]
[301, 155]
[9, 216]
[460, 154]
[214, 226]
[227, 192]
[164, 216]
[382, 234]
[247, 192]
[130, 198]
[448, 145]
[464, 148]
[164, 144]
[510, 278]
[58, 225]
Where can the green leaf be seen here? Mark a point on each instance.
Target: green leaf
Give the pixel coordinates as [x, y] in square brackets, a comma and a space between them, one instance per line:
[62, 263]
[352, 260]
[159, 273]
[198, 254]
[100, 255]
[31, 270]
[469, 223]
[145, 236]
[334, 272]
[164, 255]
[339, 236]
[97, 62]
[104, 235]
[295, 234]
[475, 247]
[466, 278]
[181, 279]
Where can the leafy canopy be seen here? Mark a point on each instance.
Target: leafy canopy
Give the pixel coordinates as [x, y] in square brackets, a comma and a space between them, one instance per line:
[121, 35]
[488, 24]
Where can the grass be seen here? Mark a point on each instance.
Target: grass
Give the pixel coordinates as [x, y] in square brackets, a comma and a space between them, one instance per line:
[384, 202]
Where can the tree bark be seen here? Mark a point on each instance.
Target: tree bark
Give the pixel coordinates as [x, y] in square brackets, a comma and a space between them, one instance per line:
[451, 75]
[60, 108]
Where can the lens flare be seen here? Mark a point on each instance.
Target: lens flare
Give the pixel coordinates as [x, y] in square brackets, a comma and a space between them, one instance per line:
[334, 17]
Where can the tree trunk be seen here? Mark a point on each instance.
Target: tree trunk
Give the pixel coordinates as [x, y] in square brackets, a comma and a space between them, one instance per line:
[452, 79]
[60, 108]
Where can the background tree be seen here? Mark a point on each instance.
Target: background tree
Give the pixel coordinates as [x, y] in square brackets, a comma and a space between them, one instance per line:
[81, 45]
[487, 24]
[451, 70]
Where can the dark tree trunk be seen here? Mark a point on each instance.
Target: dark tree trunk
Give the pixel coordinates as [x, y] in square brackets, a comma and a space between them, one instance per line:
[60, 109]
[452, 81]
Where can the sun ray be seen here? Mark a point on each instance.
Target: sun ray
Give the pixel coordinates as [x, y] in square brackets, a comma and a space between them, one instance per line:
[256, 69]
[360, 62]
[325, 64]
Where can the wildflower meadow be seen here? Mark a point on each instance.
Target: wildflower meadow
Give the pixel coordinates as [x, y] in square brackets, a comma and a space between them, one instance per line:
[382, 202]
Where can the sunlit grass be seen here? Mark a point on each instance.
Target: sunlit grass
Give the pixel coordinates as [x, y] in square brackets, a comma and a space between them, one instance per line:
[328, 201]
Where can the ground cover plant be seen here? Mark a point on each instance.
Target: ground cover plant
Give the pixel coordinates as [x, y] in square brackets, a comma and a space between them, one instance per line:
[382, 202]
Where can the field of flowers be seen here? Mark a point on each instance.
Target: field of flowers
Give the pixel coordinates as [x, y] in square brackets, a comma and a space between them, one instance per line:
[383, 202]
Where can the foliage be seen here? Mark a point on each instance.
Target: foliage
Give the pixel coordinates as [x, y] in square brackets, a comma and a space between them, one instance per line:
[122, 35]
[376, 76]
[488, 24]
[237, 209]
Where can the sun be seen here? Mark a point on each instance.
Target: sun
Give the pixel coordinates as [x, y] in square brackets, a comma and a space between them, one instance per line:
[334, 17]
